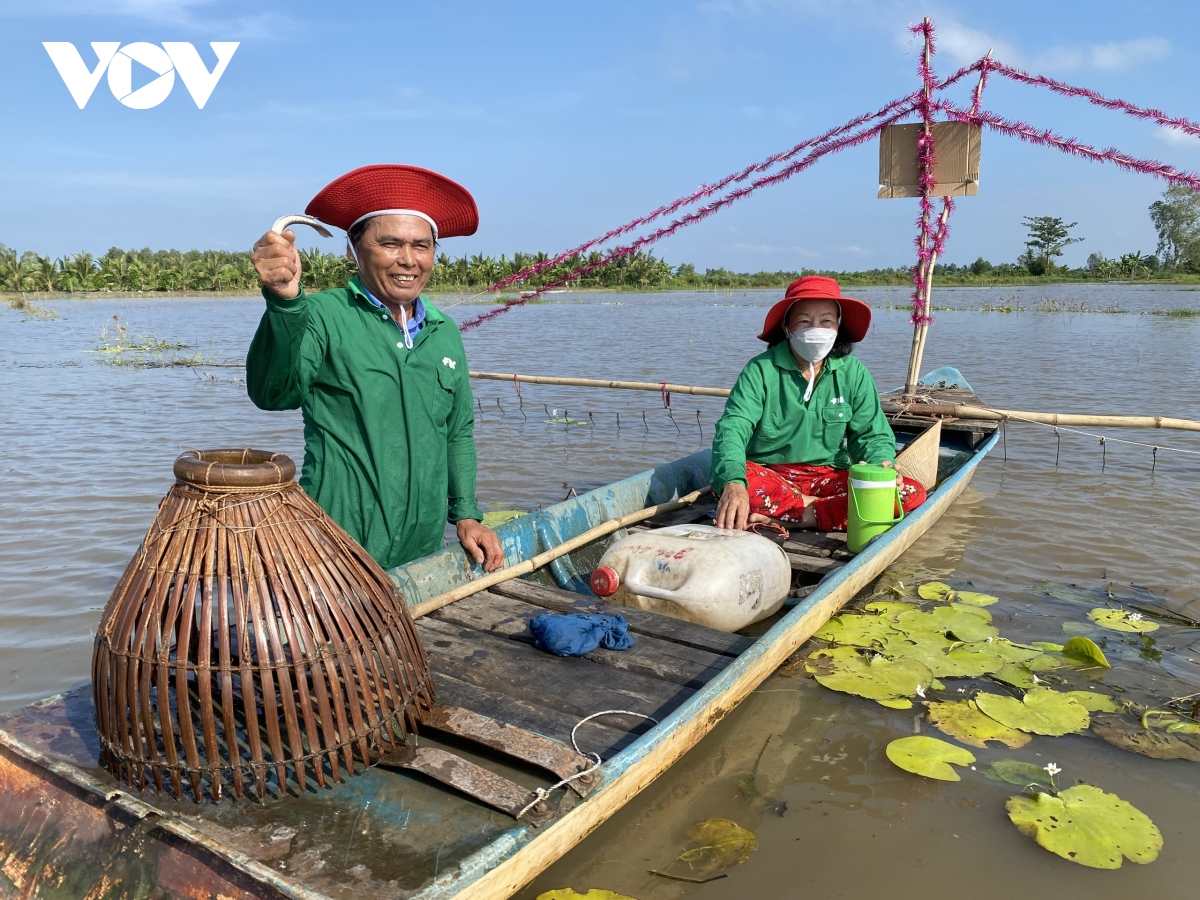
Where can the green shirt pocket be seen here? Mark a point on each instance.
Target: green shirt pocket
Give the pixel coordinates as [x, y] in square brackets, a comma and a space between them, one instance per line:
[835, 418]
[442, 401]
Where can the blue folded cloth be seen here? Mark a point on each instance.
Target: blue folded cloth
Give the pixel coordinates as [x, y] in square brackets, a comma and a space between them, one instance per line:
[578, 634]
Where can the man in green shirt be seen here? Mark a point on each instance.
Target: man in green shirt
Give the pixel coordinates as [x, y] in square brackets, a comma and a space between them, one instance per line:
[379, 374]
[799, 415]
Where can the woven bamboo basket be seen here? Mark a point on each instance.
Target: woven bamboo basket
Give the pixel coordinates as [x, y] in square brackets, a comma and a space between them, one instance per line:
[251, 641]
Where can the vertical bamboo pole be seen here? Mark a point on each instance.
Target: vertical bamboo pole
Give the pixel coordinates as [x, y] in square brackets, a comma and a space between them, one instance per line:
[925, 271]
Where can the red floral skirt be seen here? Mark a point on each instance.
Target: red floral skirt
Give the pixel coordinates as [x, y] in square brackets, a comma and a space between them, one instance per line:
[778, 491]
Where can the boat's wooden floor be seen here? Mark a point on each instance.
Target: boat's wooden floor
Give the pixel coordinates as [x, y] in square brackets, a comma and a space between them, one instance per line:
[483, 657]
[974, 430]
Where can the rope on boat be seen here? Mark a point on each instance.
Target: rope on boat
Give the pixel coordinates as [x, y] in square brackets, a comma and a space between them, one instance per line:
[541, 794]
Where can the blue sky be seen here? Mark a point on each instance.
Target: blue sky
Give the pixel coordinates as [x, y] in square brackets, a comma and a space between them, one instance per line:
[566, 119]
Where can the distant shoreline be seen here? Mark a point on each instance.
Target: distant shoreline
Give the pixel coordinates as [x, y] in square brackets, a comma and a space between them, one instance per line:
[941, 284]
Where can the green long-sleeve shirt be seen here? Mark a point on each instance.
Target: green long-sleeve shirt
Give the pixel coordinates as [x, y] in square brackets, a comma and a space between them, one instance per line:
[389, 448]
[767, 421]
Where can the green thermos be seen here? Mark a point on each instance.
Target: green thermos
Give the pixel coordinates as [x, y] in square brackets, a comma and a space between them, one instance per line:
[873, 505]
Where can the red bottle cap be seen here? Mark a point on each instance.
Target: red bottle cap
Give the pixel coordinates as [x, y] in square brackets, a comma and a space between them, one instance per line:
[604, 582]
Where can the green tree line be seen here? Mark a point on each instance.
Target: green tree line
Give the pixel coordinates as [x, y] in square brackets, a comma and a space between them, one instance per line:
[1176, 218]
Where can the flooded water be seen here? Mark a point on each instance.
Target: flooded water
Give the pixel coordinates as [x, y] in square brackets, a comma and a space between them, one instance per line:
[1048, 525]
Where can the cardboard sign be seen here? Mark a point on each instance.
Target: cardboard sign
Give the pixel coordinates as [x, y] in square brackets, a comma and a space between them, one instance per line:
[955, 160]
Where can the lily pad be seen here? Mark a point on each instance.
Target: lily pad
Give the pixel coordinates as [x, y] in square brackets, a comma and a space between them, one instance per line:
[1120, 620]
[896, 703]
[1015, 771]
[500, 516]
[856, 631]
[1043, 711]
[962, 720]
[723, 844]
[1047, 645]
[1081, 649]
[1120, 732]
[1094, 702]
[938, 590]
[592, 894]
[888, 606]
[929, 756]
[964, 625]
[1088, 826]
[1018, 675]
[935, 590]
[952, 659]
[842, 669]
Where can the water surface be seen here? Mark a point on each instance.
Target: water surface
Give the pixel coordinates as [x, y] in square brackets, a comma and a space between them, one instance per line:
[87, 447]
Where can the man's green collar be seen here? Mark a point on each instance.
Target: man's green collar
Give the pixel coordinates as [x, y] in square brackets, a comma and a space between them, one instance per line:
[781, 355]
[354, 285]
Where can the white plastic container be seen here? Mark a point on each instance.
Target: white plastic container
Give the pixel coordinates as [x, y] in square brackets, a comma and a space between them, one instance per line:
[712, 576]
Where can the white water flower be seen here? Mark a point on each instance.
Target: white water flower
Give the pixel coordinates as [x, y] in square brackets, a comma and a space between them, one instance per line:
[1135, 617]
[1036, 680]
[920, 692]
[1052, 769]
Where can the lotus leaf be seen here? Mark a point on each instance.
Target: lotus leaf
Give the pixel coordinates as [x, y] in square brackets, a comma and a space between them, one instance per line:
[1088, 826]
[1120, 620]
[842, 669]
[592, 894]
[928, 756]
[935, 590]
[1120, 732]
[1014, 771]
[856, 631]
[1081, 649]
[962, 720]
[1043, 711]
[1093, 702]
[1016, 674]
[723, 844]
[1047, 645]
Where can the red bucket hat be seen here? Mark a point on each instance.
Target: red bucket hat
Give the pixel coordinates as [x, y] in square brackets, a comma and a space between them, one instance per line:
[856, 315]
[387, 188]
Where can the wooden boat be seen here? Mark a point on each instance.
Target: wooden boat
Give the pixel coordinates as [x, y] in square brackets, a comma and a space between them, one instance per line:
[68, 830]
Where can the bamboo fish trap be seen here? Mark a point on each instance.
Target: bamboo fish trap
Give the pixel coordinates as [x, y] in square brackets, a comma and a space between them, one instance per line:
[251, 640]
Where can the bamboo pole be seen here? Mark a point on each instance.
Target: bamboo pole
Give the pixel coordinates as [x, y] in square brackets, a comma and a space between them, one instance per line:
[658, 386]
[925, 271]
[959, 410]
[966, 411]
[536, 562]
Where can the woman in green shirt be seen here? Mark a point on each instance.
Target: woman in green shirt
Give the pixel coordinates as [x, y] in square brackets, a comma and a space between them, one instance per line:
[799, 415]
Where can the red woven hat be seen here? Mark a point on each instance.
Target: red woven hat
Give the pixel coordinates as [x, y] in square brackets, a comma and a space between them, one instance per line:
[856, 315]
[375, 189]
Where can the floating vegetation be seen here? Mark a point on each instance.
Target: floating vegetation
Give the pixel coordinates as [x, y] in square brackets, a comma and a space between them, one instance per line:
[1084, 650]
[936, 590]
[885, 680]
[1120, 620]
[1087, 826]
[1041, 711]
[1016, 771]
[1140, 737]
[963, 721]
[721, 844]
[592, 894]
[929, 756]
[896, 650]
[500, 516]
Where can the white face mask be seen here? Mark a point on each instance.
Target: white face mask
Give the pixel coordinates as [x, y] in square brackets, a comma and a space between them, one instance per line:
[813, 344]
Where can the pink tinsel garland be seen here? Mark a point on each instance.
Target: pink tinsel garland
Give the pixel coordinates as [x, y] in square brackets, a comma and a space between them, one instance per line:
[1047, 138]
[1068, 90]
[841, 143]
[927, 243]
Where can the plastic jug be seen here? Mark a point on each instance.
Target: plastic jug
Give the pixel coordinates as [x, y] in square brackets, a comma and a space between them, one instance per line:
[712, 576]
[873, 505]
